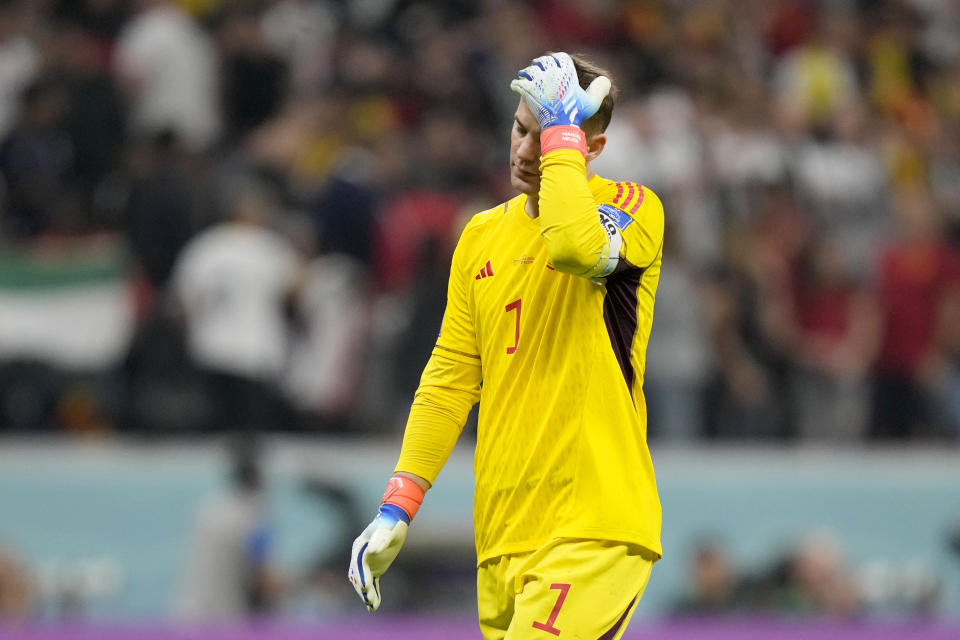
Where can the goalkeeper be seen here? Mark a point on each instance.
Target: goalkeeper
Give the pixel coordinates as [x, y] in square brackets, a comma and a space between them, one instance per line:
[549, 306]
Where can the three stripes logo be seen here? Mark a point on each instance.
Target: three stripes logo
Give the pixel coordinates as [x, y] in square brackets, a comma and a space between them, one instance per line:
[485, 272]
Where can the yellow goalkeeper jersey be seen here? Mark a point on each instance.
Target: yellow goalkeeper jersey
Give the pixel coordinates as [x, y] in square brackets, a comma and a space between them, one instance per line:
[557, 361]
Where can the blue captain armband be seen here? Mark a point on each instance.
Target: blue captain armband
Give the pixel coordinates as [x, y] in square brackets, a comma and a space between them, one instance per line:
[614, 221]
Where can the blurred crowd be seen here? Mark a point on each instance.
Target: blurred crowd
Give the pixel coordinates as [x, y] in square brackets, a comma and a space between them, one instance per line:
[810, 578]
[265, 194]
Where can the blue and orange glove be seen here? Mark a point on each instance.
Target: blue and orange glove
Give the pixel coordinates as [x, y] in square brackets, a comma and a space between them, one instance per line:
[553, 93]
[377, 547]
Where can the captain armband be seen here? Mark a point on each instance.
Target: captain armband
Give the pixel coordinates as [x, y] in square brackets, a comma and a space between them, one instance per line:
[614, 221]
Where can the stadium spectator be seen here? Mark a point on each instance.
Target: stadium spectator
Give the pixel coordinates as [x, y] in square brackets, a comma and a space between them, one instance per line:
[102, 19]
[167, 66]
[679, 361]
[253, 78]
[17, 591]
[713, 588]
[754, 331]
[324, 374]
[229, 575]
[94, 117]
[840, 178]
[816, 81]
[159, 210]
[20, 62]
[38, 166]
[818, 581]
[161, 388]
[838, 328]
[919, 285]
[747, 155]
[302, 33]
[233, 282]
[358, 116]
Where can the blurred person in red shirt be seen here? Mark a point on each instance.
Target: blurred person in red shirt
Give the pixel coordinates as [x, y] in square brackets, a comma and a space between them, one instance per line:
[919, 291]
[837, 340]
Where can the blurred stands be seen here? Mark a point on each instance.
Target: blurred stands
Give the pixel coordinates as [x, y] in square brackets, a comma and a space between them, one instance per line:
[807, 153]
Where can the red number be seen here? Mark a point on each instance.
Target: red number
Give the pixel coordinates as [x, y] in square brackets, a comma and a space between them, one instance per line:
[548, 625]
[516, 339]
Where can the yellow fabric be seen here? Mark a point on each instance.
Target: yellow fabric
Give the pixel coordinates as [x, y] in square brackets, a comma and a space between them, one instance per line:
[449, 388]
[200, 8]
[823, 81]
[574, 241]
[561, 445]
[599, 582]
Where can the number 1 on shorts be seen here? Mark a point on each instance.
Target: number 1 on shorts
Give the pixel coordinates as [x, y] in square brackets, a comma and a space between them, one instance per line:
[548, 625]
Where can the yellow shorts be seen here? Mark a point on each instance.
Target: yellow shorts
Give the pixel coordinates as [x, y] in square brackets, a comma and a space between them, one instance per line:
[569, 588]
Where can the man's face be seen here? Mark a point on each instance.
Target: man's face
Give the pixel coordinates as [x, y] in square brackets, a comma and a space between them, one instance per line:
[525, 151]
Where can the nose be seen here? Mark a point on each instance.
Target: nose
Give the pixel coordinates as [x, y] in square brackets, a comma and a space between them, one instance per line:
[529, 150]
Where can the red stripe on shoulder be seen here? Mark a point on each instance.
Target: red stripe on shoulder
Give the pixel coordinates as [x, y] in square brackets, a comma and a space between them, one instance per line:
[639, 202]
[619, 193]
[630, 192]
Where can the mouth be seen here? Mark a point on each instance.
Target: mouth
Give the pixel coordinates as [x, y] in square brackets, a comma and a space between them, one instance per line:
[527, 175]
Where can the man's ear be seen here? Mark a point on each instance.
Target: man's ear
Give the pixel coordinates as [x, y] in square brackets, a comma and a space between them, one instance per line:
[595, 145]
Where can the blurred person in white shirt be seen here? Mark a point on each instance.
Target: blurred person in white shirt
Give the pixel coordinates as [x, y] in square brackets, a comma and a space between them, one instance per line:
[326, 360]
[233, 283]
[840, 174]
[19, 65]
[228, 575]
[658, 143]
[168, 66]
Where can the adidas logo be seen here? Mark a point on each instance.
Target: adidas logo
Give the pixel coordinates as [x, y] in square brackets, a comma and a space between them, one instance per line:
[486, 271]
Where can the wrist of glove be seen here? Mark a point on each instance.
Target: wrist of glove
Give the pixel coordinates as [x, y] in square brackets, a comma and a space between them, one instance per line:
[377, 547]
[551, 89]
[562, 137]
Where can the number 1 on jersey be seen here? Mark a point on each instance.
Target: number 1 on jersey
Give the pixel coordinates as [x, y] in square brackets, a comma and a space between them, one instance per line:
[516, 339]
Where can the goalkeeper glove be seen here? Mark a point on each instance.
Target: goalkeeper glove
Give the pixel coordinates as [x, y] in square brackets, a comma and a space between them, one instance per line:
[375, 549]
[552, 91]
